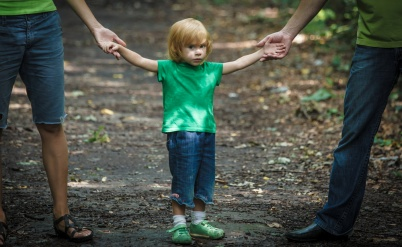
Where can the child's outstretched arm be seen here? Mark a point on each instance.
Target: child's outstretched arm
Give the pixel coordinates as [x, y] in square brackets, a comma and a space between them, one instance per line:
[247, 60]
[131, 56]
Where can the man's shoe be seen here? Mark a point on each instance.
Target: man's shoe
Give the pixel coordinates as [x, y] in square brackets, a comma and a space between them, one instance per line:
[180, 234]
[205, 230]
[312, 233]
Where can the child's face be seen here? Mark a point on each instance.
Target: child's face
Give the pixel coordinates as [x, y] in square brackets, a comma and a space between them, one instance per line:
[194, 54]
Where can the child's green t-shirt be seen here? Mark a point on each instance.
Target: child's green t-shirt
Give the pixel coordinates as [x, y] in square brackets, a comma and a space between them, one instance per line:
[188, 93]
[380, 23]
[25, 7]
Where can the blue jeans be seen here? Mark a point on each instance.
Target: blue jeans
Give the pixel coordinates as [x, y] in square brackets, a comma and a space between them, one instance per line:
[192, 165]
[373, 74]
[32, 46]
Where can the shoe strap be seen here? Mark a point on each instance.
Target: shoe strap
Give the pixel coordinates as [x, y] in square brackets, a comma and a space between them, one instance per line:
[178, 227]
[205, 223]
[209, 226]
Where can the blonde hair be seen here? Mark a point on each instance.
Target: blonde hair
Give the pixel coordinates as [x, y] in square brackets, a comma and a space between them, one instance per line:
[186, 32]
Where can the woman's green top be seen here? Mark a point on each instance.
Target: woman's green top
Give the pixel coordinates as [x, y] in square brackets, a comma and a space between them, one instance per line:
[25, 7]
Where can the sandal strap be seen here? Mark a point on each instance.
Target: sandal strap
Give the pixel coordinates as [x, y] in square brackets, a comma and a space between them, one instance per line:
[3, 230]
[69, 222]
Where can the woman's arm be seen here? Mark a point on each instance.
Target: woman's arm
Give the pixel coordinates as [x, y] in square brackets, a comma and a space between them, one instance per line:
[100, 33]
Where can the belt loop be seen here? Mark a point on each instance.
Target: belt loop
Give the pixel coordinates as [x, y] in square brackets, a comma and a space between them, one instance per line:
[3, 20]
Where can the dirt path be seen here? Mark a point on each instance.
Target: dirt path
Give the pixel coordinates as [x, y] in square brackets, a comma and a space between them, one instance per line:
[272, 165]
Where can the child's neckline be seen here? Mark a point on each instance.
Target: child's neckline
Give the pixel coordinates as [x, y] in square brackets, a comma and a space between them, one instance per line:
[187, 65]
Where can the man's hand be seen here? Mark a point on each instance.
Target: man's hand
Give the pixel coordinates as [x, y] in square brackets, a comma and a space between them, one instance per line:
[278, 37]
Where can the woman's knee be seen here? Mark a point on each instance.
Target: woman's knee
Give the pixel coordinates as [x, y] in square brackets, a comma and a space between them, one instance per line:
[49, 128]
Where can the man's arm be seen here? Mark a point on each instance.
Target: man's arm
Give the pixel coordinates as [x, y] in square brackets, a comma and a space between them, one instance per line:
[100, 33]
[304, 13]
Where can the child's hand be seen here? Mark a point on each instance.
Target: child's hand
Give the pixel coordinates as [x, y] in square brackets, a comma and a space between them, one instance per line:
[273, 50]
[110, 48]
[276, 38]
[105, 36]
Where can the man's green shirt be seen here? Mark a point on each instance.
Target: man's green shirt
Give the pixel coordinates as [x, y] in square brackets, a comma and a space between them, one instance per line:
[380, 23]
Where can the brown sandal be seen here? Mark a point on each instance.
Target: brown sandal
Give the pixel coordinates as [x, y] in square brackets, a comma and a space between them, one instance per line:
[69, 222]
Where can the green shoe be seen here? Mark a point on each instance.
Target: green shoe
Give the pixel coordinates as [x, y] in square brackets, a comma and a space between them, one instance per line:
[205, 230]
[180, 235]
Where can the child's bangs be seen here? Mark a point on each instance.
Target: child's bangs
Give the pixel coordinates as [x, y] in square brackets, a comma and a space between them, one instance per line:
[196, 37]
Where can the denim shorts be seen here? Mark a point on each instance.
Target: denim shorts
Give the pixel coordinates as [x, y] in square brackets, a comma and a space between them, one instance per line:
[192, 165]
[32, 46]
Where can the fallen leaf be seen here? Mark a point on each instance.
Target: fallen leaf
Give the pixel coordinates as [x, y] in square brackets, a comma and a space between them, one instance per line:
[105, 111]
[274, 225]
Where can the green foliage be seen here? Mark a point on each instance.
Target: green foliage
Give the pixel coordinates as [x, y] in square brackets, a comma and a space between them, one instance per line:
[99, 135]
[383, 142]
[320, 95]
[333, 112]
[220, 2]
[329, 81]
[318, 26]
[394, 140]
[394, 96]
[340, 64]
[285, 3]
[397, 174]
[337, 20]
[223, 2]
[398, 108]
